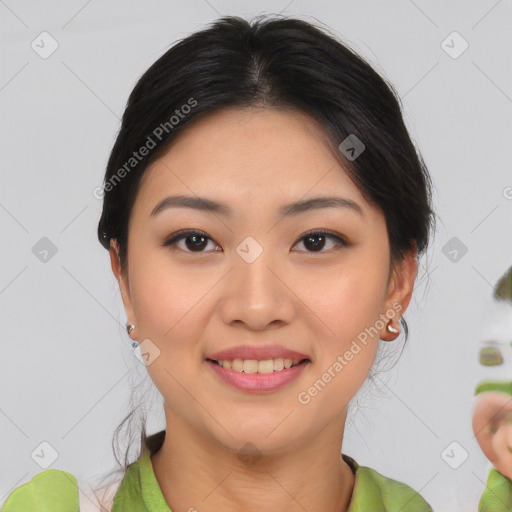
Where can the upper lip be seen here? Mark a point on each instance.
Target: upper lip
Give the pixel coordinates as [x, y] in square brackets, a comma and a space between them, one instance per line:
[257, 352]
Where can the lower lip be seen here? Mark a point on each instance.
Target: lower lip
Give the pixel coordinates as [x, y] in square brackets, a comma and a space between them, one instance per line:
[257, 382]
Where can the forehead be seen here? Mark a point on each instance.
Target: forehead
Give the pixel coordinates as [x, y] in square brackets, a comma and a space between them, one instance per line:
[250, 154]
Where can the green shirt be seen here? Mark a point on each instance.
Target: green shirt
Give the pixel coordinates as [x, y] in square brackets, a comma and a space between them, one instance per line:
[54, 490]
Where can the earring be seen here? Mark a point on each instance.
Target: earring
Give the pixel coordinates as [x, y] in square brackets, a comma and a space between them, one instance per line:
[392, 329]
[129, 329]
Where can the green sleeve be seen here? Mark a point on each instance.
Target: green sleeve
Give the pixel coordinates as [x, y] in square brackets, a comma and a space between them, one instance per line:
[52, 490]
[377, 493]
[497, 496]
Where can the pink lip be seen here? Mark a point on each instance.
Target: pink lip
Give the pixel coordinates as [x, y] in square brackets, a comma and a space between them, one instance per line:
[259, 353]
[254, 382]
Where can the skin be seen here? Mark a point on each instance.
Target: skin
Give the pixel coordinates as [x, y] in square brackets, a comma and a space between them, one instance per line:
[191, 304]
[492, 426]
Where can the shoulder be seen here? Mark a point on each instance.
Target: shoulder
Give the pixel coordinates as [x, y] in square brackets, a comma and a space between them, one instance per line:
[51, 488]
[497, 494]
[395, 495]
[374, 491]
[59, 491]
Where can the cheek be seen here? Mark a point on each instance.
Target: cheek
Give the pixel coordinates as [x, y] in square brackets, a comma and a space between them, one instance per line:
[348, 299]
[165, 303]
[345, 357]
[164, 297]
[349, 302]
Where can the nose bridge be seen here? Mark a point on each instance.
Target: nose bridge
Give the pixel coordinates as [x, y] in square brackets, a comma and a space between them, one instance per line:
[256, 294]
[252, 264]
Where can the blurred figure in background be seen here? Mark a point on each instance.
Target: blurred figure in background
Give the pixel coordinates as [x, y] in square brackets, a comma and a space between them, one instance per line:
[492, 415]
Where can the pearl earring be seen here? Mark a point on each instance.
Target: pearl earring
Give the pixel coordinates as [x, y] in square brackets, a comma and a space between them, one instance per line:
[392, 329]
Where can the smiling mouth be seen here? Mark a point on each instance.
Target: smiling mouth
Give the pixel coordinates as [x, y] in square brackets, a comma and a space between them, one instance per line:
[259, 366]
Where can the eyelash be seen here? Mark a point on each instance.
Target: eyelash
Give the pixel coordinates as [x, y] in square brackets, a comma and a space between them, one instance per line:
[184, 234]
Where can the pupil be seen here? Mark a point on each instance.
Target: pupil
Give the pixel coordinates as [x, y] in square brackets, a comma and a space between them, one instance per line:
[196, 238]
[315, 245]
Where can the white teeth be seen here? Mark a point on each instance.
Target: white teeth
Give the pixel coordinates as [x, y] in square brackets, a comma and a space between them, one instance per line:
[237, 365]
[250, 366]
[255, 366]
[278, 363]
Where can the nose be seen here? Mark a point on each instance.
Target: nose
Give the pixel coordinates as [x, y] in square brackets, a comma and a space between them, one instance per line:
[258, 294]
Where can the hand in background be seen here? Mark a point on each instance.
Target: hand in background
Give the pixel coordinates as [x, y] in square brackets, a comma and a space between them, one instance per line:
[492, 426]
[492, 413]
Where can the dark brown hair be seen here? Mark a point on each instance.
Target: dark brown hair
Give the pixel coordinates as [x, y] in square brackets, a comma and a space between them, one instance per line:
[273, 62]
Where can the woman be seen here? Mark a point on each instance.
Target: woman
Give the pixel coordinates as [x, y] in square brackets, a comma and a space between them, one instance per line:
[264, 211]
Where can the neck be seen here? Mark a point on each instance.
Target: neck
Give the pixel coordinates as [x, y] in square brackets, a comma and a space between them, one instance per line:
[195, 472]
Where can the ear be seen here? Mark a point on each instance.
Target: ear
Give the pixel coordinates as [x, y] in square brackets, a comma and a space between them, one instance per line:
[399, 292]
[122, 280]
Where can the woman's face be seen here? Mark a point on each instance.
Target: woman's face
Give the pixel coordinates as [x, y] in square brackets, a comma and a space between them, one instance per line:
[254, 280]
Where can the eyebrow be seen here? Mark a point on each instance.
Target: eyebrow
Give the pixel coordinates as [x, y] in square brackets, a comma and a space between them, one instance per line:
[210, 206]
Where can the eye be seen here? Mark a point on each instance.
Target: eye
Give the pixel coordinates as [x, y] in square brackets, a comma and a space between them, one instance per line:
[316, 240]
[196, 241]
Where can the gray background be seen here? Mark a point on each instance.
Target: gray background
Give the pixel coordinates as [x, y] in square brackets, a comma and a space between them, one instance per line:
[65, 356]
